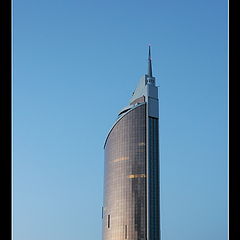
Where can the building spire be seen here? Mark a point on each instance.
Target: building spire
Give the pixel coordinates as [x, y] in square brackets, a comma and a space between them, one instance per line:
[149, 62]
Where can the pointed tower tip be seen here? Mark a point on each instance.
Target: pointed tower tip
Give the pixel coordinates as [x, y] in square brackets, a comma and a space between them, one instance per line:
[149, 51]
[149, 62]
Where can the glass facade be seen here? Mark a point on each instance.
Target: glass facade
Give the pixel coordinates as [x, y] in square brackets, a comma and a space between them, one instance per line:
[153, 181]
[124, 208]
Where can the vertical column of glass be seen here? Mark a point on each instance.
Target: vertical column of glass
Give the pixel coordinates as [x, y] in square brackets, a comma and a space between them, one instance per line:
[124, 209]
[153, 180]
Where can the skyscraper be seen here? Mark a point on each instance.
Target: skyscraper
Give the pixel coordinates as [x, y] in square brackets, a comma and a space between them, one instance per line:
[131, 168]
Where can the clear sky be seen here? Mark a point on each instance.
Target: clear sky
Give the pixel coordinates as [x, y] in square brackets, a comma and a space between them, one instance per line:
[76, 64]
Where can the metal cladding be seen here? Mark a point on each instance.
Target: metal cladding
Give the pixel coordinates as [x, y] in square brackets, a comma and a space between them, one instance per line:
[131, 168]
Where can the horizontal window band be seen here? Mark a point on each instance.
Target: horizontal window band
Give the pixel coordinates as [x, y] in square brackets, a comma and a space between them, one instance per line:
[137, 176]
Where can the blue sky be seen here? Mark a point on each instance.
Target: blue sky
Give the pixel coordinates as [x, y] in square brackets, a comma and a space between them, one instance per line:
[76, 64]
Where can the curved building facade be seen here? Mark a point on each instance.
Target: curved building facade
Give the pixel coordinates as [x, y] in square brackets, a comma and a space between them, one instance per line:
[131, 168]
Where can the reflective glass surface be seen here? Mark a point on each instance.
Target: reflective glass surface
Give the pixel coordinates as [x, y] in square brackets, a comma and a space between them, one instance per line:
[125, 178]
[153, 181]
